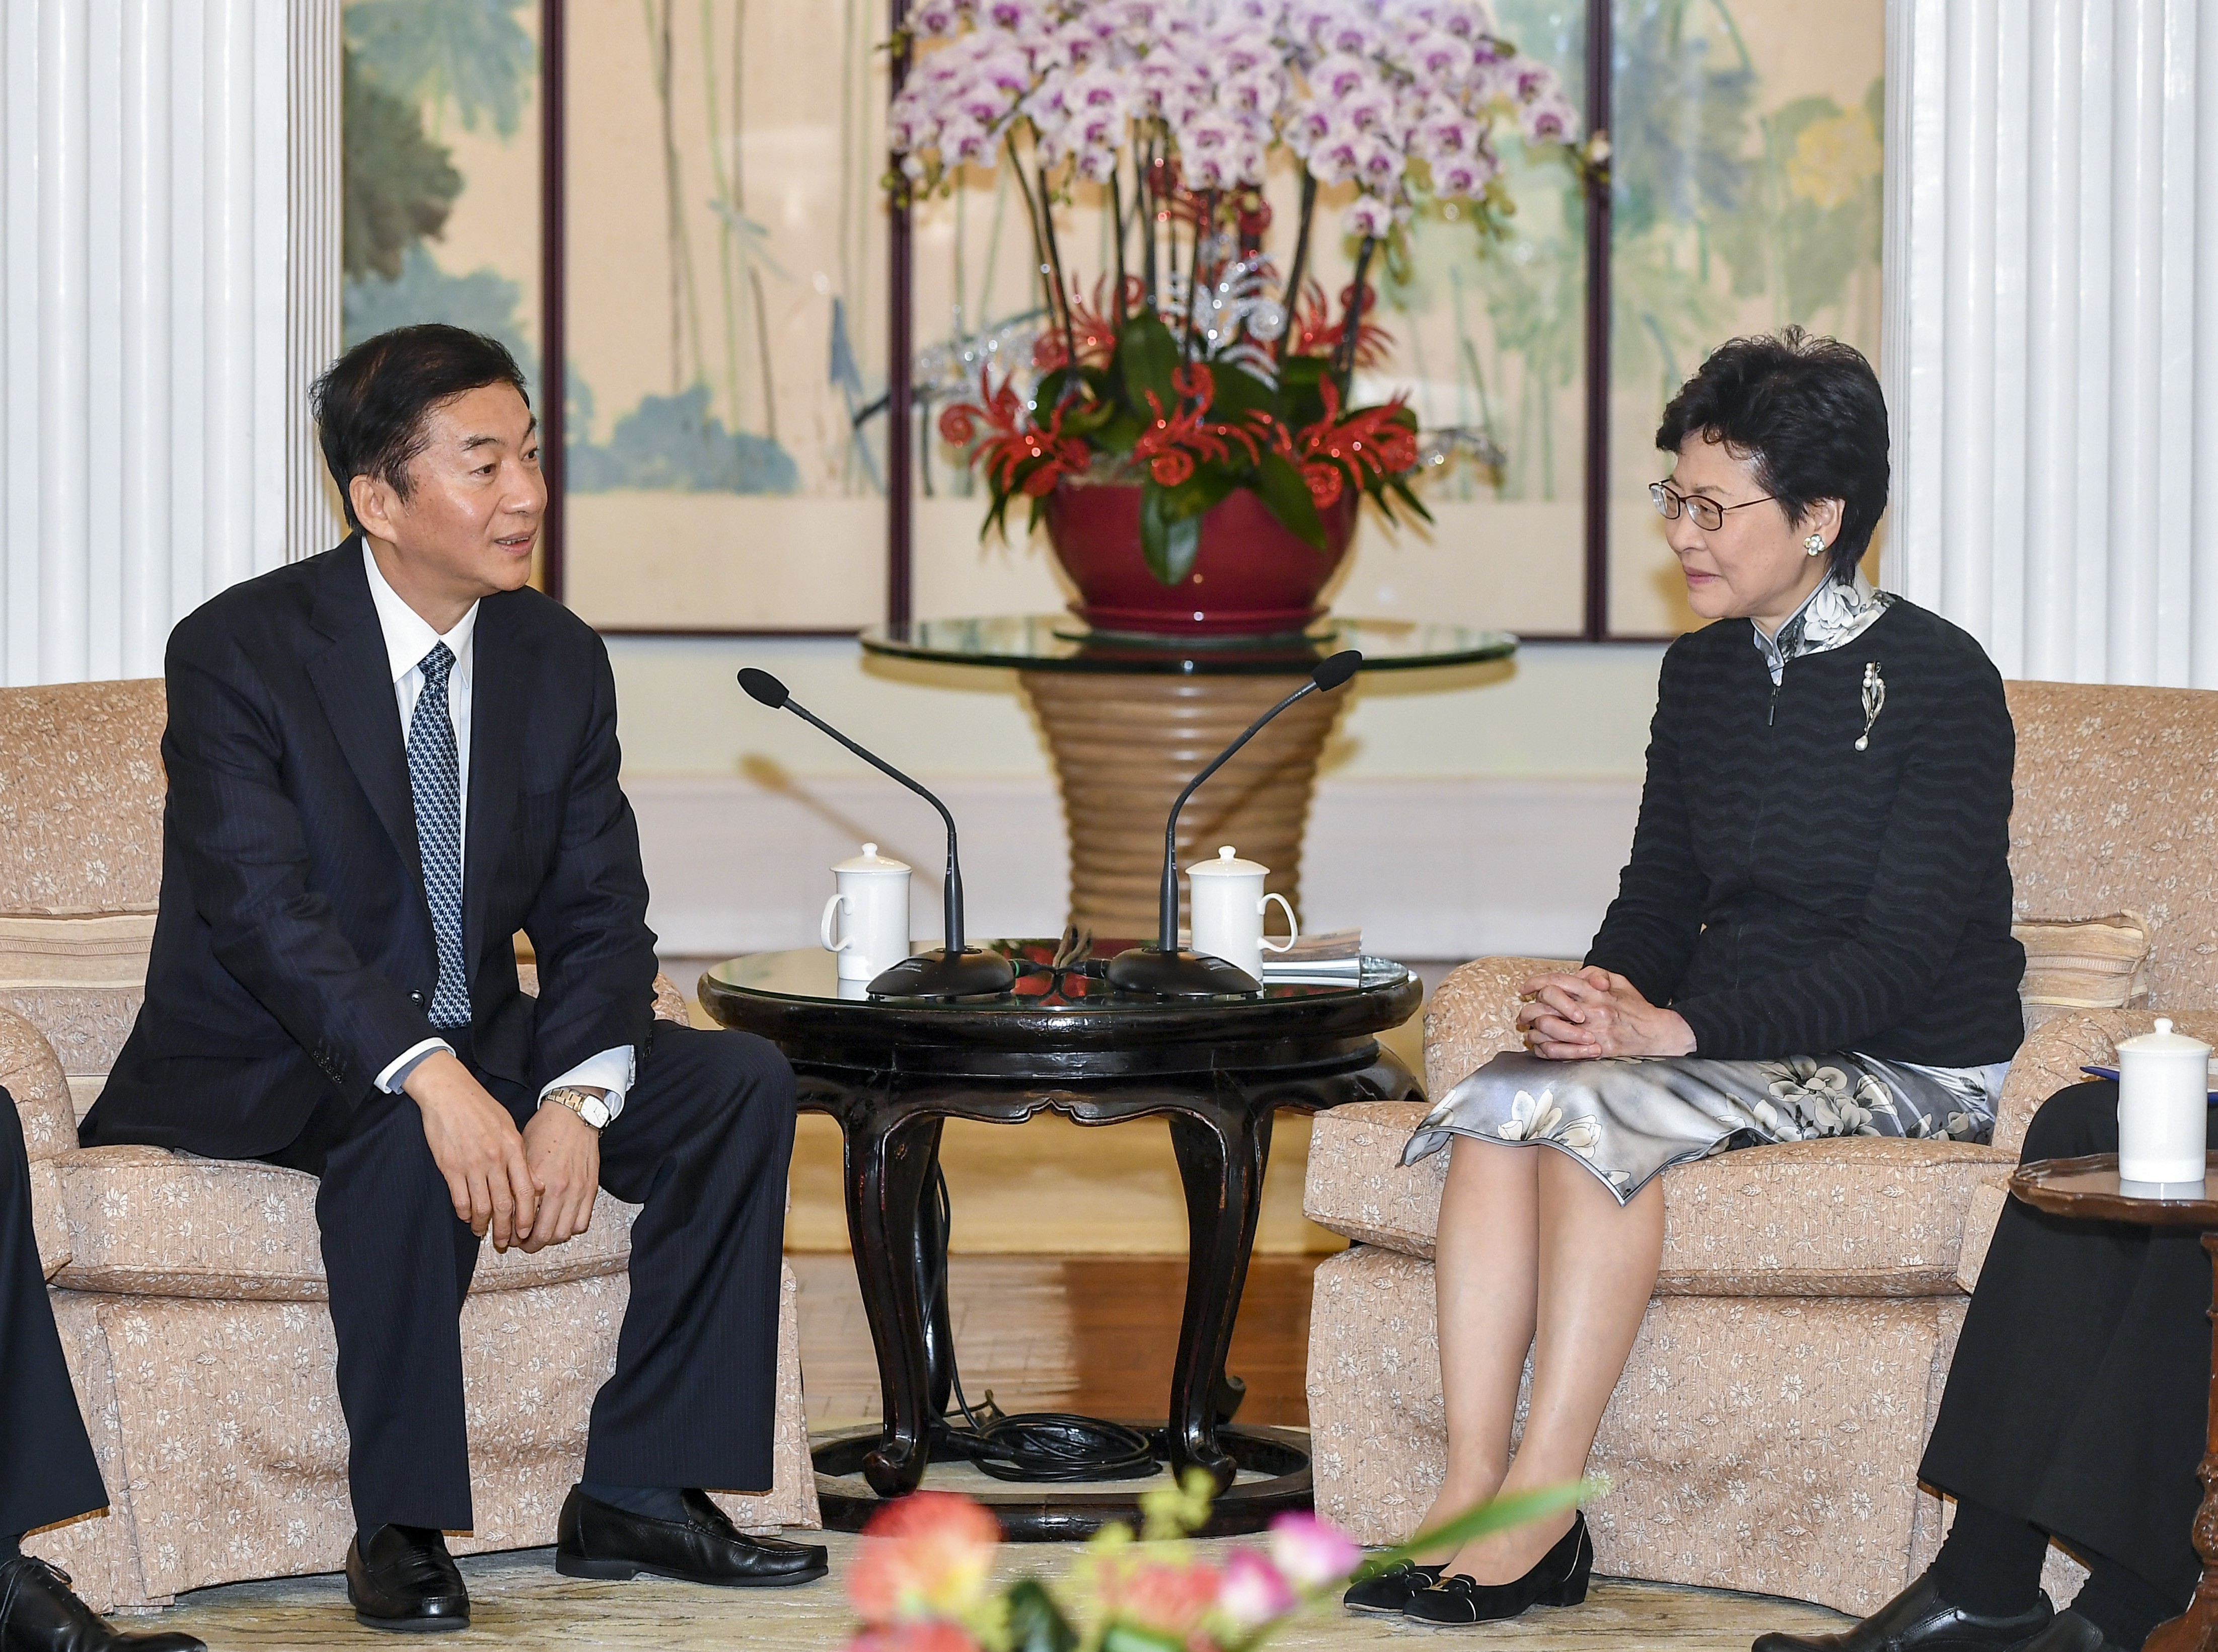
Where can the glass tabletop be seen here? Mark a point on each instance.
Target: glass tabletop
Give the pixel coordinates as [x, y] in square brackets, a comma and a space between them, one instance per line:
[1061, 642]
[810, 976]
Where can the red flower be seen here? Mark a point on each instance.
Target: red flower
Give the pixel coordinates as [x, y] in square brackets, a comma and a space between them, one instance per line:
[913, 1638]
[1091, 329]
[1316, 333]
[923, 1556]
[1177, 441]
[1169, 1598]
[1374, 442]
[1016, 456]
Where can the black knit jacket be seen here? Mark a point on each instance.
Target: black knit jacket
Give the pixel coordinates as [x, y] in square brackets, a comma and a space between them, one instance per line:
[1791, 896]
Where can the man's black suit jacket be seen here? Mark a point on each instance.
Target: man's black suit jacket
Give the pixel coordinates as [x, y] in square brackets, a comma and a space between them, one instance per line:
[294, 954]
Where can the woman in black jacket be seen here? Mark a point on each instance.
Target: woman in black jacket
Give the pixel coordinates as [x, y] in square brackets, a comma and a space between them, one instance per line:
[1811, 939]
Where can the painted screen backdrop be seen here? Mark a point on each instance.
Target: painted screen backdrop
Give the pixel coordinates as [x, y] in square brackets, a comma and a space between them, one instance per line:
[1746, 195]
[440, 156]
[726, 272]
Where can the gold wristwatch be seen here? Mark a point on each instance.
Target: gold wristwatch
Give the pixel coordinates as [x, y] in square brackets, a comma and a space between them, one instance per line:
[584, 1103]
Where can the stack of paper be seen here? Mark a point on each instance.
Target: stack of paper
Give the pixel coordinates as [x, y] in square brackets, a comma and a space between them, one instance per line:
[1329, 955]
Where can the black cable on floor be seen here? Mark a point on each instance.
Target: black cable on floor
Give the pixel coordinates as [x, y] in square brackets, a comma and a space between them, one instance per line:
[1033, 1446]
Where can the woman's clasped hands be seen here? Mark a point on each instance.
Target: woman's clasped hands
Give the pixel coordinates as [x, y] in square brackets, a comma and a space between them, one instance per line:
[1594, 1012]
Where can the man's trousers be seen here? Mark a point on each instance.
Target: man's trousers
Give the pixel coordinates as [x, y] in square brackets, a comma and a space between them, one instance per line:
[46, 1469]
[2078, 1398]
[703, 1144]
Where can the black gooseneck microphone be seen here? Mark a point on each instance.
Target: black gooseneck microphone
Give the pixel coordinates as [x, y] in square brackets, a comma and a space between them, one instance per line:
[1163, 969]
[955, 970]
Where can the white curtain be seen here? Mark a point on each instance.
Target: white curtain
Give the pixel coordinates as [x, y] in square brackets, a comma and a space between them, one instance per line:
[2051, 354]
[170, 241]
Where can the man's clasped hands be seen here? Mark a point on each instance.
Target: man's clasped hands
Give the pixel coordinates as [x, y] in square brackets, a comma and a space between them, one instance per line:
[530, 1188]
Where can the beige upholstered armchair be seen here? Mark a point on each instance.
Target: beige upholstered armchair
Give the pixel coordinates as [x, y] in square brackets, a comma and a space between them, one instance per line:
[1766, 1432]
[189, 1290]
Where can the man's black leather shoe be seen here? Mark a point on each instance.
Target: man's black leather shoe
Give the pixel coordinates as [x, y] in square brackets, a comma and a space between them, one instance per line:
[2069, 1632]
[406, 1579]
[1919, 1620]
[593, 1540]
[38, 1613]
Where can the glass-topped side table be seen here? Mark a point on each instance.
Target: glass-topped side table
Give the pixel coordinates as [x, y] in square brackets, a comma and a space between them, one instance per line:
[892, 1070]
[1129, 720]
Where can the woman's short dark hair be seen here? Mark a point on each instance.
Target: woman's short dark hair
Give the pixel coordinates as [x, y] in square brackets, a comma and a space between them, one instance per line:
[1808, 412]
[371, 405]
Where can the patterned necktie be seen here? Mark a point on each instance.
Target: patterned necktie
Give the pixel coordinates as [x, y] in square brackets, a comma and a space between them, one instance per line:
[434, 775]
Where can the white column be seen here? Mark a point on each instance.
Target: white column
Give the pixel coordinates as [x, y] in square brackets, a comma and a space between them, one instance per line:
[2051, 330]
[169, 244]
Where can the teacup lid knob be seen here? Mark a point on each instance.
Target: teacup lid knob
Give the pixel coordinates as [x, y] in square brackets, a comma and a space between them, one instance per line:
[1226, 851]
[870, 851]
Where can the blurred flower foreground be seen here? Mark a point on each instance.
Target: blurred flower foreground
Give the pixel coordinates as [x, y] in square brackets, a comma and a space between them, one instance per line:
[923, 1581]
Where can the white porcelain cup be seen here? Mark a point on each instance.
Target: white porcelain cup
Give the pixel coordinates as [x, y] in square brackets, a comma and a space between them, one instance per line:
[1229, 904]
[2164, 1082]
[866, 919]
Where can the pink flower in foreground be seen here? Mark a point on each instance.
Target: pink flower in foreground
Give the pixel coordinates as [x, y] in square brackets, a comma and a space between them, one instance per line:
[1311, 1552]
[1171, 1599]
[1252, 1594]
[924, 1555]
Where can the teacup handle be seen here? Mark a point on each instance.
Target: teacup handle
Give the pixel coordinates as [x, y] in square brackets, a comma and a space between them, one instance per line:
[1293, 929]
[824, 927]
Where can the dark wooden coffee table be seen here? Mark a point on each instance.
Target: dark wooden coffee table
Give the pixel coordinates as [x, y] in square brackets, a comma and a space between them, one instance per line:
[893, 1070]
[2088, 1190]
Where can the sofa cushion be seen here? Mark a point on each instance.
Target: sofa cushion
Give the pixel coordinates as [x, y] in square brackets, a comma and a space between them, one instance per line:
[49, 1222]
[149, 1222]
[1866, 1217]
[29, 1074]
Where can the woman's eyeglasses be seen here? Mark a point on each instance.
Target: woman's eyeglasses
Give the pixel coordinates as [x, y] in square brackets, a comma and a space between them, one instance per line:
[1709, 515]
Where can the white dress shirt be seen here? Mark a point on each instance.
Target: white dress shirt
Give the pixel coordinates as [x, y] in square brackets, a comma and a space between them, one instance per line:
[408, 638]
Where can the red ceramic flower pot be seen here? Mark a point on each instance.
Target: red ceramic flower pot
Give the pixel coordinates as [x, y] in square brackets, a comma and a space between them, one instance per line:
[1251, 577]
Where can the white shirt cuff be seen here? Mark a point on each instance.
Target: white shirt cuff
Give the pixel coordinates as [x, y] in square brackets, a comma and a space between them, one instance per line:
[611, 1070]
[398, 1069]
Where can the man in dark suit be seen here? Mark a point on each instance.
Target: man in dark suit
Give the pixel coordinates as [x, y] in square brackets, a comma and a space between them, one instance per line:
[47, 1474]
[2077, 1409]
[383, 762]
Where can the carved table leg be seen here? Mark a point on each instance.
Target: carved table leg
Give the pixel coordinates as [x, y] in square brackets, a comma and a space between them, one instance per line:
[1222, 1149]
[2196, 1628]
[889, 1161]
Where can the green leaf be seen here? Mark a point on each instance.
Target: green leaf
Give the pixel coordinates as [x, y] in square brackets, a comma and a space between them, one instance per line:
[1204, 491]
[1039, 512]
[996, 518]
[1118, 435]
[1239, 391]
[1401, 489]
[1282, 490]
[1035, 1623]
[1170, 543]
[1124, 1638]
[1147, 355]
[1498, 1514]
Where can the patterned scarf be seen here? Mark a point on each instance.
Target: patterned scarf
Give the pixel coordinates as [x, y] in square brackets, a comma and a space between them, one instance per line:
[1837, 612]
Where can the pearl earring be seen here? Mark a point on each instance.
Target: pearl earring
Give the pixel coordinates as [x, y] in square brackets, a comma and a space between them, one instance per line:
[1814, 546]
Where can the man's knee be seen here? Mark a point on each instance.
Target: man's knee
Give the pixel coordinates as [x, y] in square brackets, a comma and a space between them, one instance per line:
[2080, 1119]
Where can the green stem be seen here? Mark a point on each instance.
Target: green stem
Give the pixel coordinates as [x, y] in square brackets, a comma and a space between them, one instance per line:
[1062, 294]
[1352, 326]
[1300, 267]
[1117, 216]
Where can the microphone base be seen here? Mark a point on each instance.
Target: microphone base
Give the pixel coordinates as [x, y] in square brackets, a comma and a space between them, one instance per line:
[969, 974]
[1177, 974]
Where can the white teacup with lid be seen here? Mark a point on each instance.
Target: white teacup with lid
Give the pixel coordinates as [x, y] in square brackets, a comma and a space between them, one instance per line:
[2163, 1081]
[1228, 903]
[870, 913]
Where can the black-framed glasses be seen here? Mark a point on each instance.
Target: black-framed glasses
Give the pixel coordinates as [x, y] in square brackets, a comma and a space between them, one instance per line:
[1709, 515]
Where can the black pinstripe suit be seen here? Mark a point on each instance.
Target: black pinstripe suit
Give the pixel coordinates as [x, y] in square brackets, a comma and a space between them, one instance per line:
[292, 960]
[46, 1469]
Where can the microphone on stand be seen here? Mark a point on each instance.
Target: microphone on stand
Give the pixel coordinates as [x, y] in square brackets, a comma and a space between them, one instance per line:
[955, 970]
[1163, 969]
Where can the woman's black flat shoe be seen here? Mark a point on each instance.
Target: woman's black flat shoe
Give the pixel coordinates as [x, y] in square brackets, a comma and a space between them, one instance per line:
[1391, 1591]
[1560, 1580]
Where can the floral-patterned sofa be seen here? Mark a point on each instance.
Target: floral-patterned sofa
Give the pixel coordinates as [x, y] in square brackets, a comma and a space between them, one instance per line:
[187, 1291]
[1766, 1432]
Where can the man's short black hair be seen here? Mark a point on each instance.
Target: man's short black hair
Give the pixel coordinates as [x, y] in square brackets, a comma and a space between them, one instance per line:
[1808, 411]
[370, 405]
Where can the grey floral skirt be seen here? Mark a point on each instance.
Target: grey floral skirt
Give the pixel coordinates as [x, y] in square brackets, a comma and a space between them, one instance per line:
[1627, 1117]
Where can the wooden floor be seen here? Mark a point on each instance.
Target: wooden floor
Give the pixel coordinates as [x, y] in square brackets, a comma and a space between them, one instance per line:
[1095, 1334]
